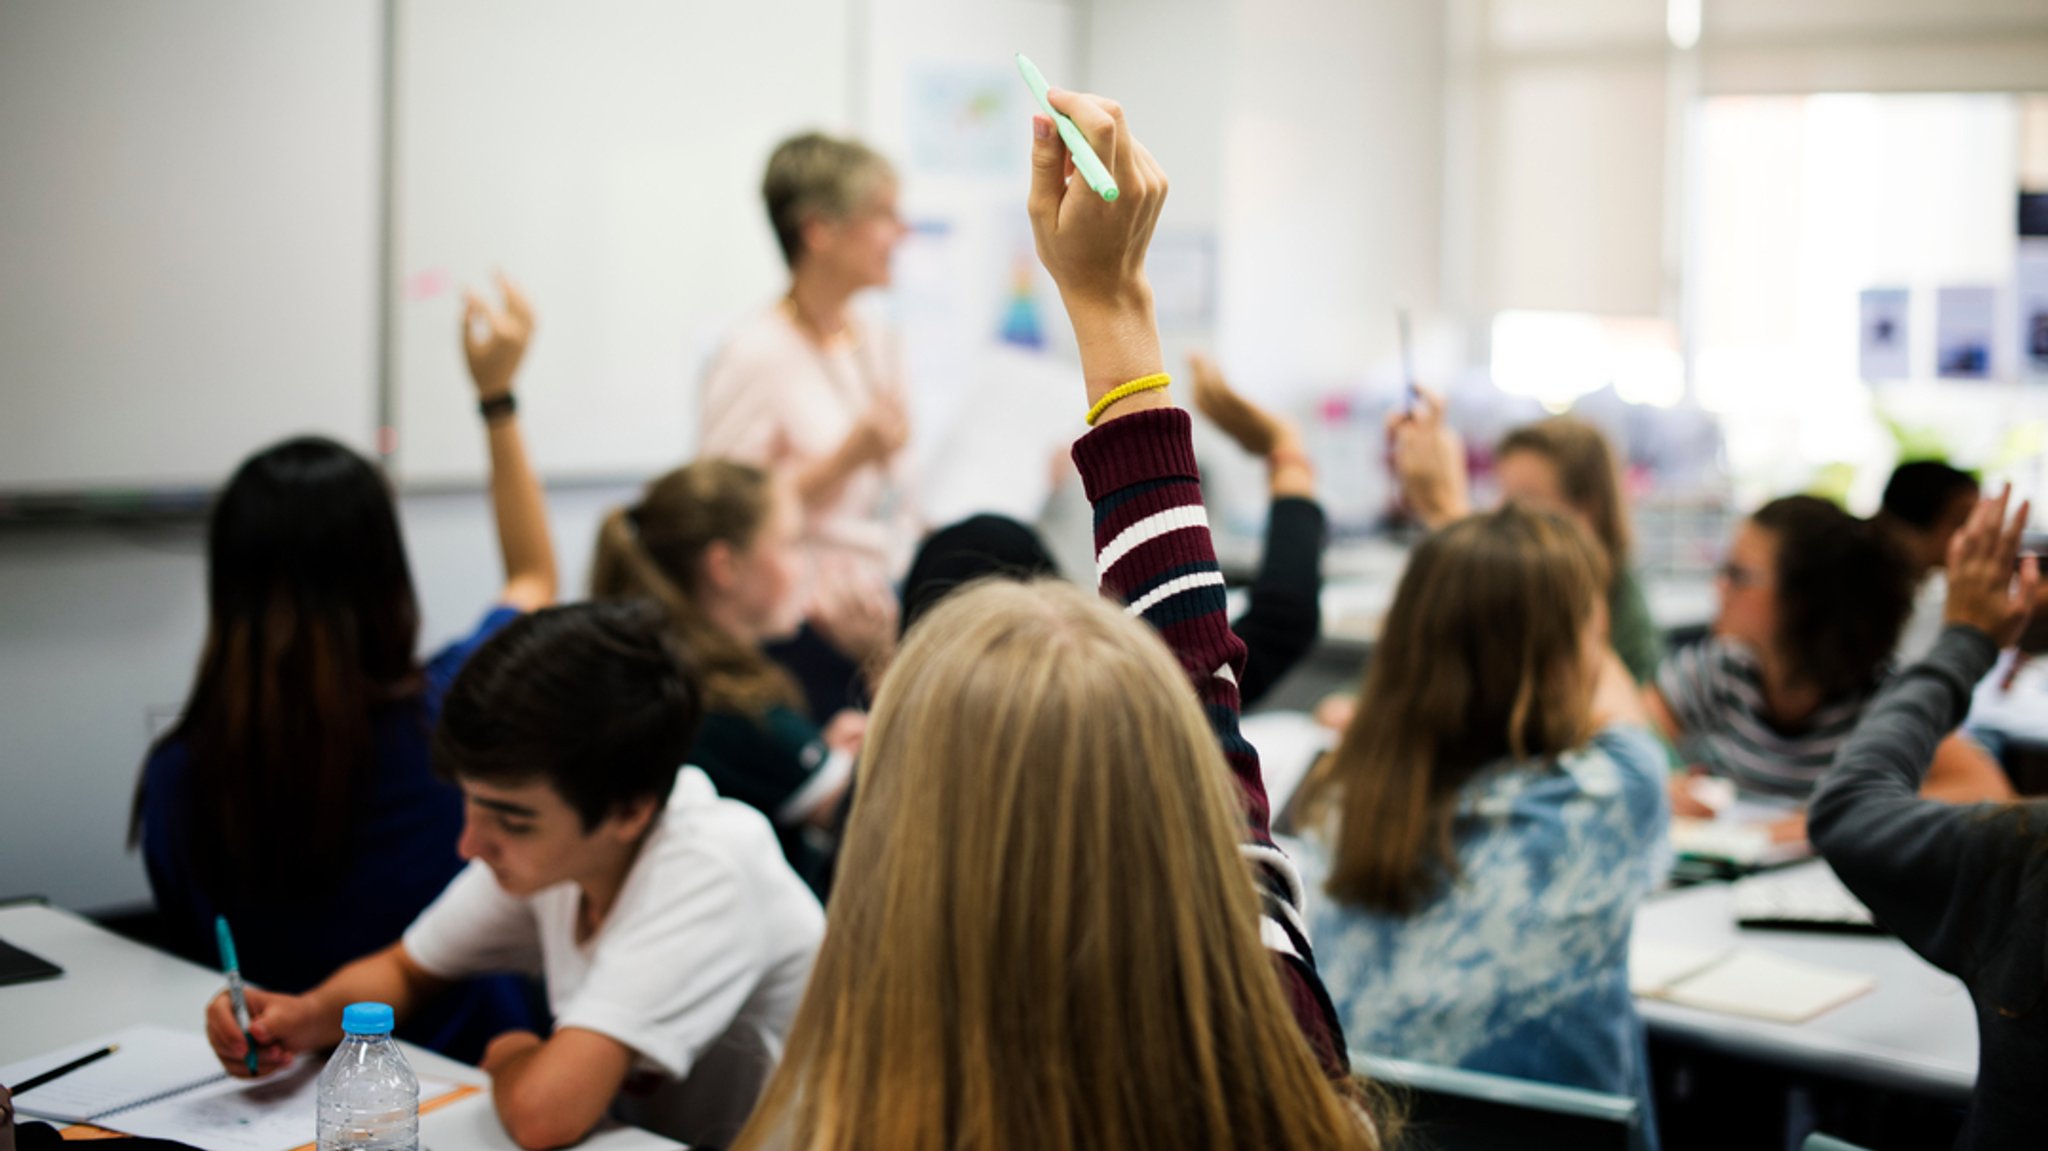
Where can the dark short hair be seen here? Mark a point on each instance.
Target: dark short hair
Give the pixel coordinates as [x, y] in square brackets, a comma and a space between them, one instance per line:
[1844, 590]
[1920, 491]
[975, 548]
[593, 698]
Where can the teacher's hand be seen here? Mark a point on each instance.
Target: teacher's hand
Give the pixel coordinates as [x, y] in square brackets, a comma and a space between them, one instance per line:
[881, 431]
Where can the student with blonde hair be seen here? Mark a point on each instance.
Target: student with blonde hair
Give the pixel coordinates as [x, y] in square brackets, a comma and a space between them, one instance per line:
[812, 392]
[716, 544]
[1047, 932]
[1496, 797]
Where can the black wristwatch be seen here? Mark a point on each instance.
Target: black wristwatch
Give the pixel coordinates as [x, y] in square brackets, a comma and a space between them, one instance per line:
[497, 408]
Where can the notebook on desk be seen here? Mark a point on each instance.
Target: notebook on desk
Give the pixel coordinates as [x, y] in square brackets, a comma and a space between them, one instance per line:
[1741, 981]
[18, 966]
[1804, 898]
[167, 1084]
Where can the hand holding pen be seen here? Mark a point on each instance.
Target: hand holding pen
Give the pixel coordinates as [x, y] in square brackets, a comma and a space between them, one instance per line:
[236, 993]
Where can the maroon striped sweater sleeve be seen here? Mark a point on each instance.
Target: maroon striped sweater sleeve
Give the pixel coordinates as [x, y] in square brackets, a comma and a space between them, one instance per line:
[1154, 554]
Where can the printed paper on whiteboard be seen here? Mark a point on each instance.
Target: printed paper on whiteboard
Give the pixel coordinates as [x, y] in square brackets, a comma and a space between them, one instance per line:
[1883, 345]
[1965, 331]
[2031, 275]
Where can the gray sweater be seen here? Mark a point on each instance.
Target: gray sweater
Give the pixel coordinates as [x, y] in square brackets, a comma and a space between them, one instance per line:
[1965, 886]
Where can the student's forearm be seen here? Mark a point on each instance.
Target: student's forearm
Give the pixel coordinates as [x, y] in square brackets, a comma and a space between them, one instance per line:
[389, 976]
[522, 517]
[1962, 772]
[1290, 477]
[1119, 342]
[550, 1093]
[1439, 509]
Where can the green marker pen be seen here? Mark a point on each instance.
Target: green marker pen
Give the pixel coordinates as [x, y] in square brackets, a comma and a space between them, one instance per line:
[1086, 162]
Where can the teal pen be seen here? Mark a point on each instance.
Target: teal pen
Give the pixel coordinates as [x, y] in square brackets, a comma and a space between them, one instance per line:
[1086, 162]
[233, 968]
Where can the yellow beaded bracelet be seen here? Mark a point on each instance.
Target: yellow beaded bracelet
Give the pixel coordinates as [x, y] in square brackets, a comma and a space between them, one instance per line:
[1123, 391]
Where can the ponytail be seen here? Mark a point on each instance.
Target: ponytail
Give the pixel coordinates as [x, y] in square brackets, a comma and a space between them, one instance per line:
[653, 551]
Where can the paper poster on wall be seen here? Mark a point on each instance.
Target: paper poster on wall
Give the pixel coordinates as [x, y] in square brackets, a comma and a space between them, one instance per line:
[964, 120]
[1182, 268]
[2031, 278]
[1883, 341]
[1965, 329]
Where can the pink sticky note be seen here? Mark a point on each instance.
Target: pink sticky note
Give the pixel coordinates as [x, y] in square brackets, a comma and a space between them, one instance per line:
[428, 284]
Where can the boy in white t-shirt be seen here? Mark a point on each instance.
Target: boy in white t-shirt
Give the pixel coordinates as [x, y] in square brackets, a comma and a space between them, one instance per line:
[675, 940]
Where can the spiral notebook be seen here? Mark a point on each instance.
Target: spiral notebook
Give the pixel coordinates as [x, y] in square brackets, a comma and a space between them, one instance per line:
[153, 1064]
[168, 1085]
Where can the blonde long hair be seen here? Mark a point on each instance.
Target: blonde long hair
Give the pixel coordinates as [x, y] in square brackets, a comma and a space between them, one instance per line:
[655, 550]
[1481, 658]
[1044, 935]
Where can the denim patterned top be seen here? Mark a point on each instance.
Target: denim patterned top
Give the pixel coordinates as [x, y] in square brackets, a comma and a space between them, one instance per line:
[1520, 968]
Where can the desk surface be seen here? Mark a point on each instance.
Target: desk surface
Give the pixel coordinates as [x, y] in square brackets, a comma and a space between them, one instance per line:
[110, 983]
[1916, 1032]
[2019, 713]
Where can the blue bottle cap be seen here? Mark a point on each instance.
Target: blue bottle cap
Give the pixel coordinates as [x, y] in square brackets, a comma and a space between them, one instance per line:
[366, 1019]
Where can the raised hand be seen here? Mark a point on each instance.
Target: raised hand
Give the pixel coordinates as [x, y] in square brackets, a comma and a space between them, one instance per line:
[1429, 461]
[495, 339]
[1982, 590]
[1255, 429]
[1095, 250]
[1289, 470]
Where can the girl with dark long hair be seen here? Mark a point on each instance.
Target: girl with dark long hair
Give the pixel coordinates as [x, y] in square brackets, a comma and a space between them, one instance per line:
[293, 795]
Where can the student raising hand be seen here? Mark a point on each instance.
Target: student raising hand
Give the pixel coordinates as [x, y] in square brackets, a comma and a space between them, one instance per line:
[1429, 461]
[1981, 558]
[495, 339]
[1095, 250]
[1965, 886]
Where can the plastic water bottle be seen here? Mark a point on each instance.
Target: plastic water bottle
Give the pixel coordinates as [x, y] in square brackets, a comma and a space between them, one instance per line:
[369, 1097]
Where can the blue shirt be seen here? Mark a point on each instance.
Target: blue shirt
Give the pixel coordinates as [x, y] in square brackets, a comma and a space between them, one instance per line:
[1519, 967]
[403, 851]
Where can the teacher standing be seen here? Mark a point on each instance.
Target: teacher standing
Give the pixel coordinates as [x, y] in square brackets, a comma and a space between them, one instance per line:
[813, 394]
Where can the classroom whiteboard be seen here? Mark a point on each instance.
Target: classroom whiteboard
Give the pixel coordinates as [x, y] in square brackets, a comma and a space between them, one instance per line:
[188, 235]
[608, 155]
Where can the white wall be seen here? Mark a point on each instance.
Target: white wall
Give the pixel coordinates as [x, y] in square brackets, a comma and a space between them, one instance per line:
[188, 225]
[98, 638]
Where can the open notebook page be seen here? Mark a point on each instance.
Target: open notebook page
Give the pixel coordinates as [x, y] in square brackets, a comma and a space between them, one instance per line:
[151, 1062]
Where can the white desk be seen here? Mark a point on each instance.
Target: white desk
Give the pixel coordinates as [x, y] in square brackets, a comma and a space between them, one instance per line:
[110, 983]
[1916, 1032]
[2019, 714]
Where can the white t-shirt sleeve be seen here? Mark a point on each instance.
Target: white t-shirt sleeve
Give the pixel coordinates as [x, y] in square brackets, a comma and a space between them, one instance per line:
[473, 928]
[672, 971]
